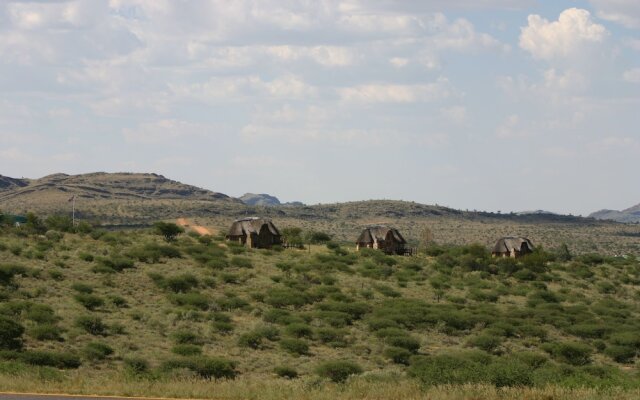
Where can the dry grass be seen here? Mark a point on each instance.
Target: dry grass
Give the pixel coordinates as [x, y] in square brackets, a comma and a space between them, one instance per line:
[269, 388]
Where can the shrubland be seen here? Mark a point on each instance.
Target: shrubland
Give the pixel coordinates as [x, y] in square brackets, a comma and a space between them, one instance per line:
[135, 312]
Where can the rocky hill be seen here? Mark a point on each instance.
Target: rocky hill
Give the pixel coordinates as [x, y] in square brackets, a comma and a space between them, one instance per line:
[263, 199]
[101, 185]
[631, 214]
[100, 195]
[7, 183]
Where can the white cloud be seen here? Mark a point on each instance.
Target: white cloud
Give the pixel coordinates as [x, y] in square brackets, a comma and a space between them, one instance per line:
[511, 128]
[242, 87]
[398, 62]
[632, 75]
[562, 38]
[570, 80]
[392, 93]
[559, 152]
[166, 131]
[456, 114]
[623, 12]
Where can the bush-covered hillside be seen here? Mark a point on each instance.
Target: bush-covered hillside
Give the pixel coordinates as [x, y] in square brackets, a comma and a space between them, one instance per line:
[80, 303]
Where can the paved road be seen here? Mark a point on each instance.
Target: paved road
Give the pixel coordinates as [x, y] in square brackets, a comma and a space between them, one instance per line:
[12, 396]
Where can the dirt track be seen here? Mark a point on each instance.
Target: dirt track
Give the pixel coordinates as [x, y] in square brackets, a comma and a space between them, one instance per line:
[196, 228]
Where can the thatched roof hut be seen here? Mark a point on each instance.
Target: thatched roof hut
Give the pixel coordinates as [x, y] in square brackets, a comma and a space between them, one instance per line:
[512, 247]
[255, 232]
[384, 238]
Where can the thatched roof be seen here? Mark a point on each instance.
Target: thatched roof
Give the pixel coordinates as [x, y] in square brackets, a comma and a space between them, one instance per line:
[507, 244]
[246, 226]
[380, 234]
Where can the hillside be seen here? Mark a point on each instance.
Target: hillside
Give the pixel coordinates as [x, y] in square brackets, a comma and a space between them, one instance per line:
[106, 196]
[127, 313]
[631, 214]
[135, 200]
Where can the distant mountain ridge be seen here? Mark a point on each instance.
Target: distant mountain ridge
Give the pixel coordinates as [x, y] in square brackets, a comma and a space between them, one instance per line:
[103, 186]
[266, 200]
[631, 214]
[262, 199]
[141, 198]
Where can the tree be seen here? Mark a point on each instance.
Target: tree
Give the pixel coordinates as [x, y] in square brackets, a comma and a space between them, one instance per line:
[34, 223]
[169, 230]
[62, 223]
[293, 236]
[10, 334]
[316, 237]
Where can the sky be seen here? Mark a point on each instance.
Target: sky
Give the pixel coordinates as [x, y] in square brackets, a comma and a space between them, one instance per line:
[497, 105]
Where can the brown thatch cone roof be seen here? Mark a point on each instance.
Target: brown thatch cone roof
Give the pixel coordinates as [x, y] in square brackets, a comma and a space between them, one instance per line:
[247, 226]
[509, 243]
[380, 233]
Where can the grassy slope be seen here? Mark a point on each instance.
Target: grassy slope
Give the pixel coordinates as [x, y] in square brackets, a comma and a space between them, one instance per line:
[602, 294]
[141, 199]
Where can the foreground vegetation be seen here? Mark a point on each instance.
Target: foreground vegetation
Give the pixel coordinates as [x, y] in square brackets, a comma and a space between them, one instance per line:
[143, 312]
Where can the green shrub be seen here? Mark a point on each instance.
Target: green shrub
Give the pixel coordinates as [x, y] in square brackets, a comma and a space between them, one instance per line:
[268, 332]
[187, 350]
[222, 322]
[485, 342]
[509, 372]
[117, 301]
[284, 297]
[46, 332]
[205, 367]
[88, 257]
[286, 372]
[355, 310]
[573, 353]
[115, 263]
[230, 278]
[168, 230]
[387, 291]
[621, 354]
[40, 313]
[241, 262]
[56, 275]
[89, 301]
[251, 339]
[152, 253]
[631, 339]
[448, 369]
[398, 355]
[186, 337]
[338, 371]
[50, 359]
[136, 365]
[8, 271]
[91, 324]
[231, 302]
[97, 351]
[10, 334]
[191, 300]
[181, 283]
[299, 330]
[332, 336]
[406, 342]
[82, 288]
[295, 346]
[589, 330]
